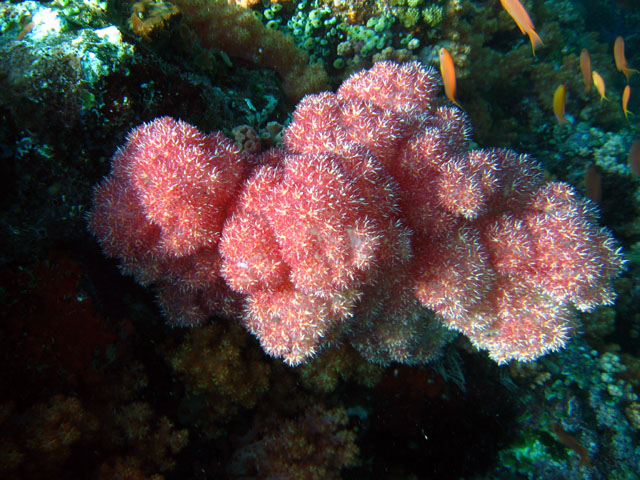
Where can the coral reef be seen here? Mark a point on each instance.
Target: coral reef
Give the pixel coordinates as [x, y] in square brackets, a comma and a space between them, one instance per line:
[578, 427]
[375, 187]
[316, 445]
[324, 372]
[240, 34]
[92, 83]
[96, 385]
[221, 373]
[150, 19]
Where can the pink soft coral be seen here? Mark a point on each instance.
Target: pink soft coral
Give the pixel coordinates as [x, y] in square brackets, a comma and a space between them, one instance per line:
[373, 217]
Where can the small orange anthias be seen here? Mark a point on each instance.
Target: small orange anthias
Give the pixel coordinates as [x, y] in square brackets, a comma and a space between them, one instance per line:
[585, 68]
[448, 72]
[522, 19]
[559, 98]
[598, 81]
[633, 159]
[571, 442]
[620, 59]
[626, 94]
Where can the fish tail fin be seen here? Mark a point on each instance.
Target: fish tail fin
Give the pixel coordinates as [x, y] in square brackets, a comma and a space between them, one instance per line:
[535, 40]
[628, 71]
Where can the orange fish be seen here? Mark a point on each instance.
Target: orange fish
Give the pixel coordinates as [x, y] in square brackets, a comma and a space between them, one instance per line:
[599, 83]
[570, 441]
[585, 68]
[626, 93]
[448, 72]
[621, 61]
[522, 19]
[559, 98]
[25, 30]
[634, 158]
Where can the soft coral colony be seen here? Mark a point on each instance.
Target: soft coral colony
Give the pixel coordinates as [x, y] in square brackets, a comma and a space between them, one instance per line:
[375, 224]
